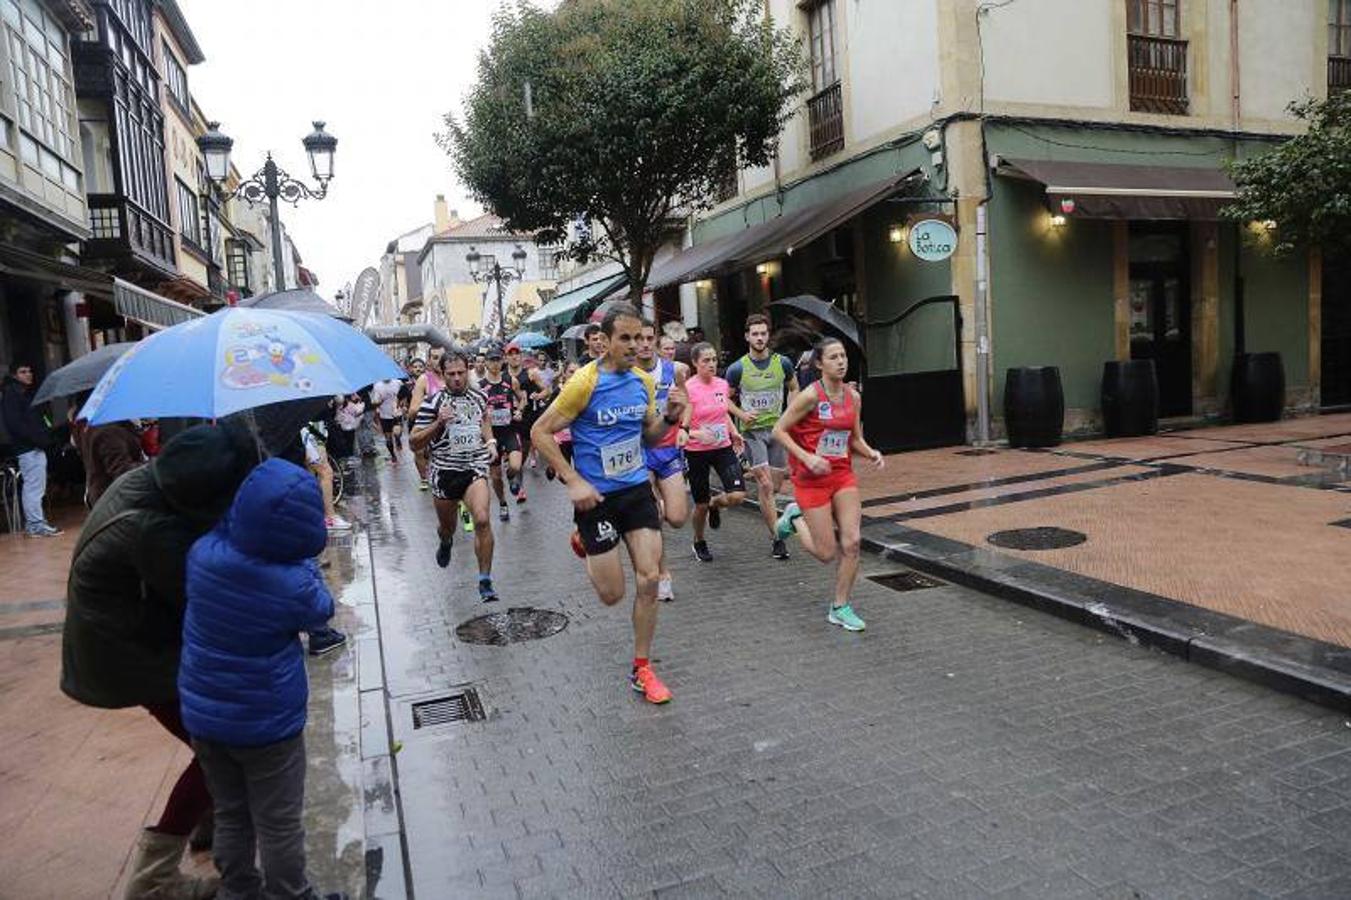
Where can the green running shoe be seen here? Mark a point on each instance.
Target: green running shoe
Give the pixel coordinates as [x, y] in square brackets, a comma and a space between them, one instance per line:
[846, 618]
[784, 527]
[466, 520]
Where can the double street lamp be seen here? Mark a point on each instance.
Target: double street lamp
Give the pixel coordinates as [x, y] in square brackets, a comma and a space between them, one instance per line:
[271, 182]
[493, 272]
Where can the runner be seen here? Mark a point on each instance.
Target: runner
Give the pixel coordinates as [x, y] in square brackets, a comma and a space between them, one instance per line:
[385, 395]
[504, 411]
[710, 443]
[562, 438]
[520, 378]
[427, 384]
[821, 429]
[612, 411]
[480, 371]
[453, 426]
[538, 394]
[758, 381]
[665, 465]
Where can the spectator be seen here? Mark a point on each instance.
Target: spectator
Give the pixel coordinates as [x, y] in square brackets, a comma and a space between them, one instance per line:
[252, 587]
[108, 451]
[124, 616]
[30, 437]
[342, 440]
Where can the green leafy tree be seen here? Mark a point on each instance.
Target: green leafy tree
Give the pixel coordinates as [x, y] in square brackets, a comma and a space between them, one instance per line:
[1303, 185]
[622, 113]
[515, 314]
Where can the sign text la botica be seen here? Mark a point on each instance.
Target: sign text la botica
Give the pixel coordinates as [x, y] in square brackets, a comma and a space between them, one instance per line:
[932, 240]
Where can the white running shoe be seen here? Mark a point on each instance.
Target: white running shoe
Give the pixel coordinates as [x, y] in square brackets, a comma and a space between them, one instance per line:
[337, 523]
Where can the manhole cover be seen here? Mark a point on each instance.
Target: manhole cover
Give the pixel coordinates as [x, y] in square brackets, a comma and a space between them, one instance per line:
[906, 581]
[522, 623]
[1044, 538]
[448, 710]
[978, 451]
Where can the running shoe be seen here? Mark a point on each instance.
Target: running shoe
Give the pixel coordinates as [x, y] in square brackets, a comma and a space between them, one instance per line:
[337, 523]
[486, 592]
[701, 551]
[646, 682]
[520, 496]
[515, 484]
[443, 554]
[779, 550]
[664, 592]
[577, 546]
[423, 485]
[549, 472]
[503, 513]
[784, 527]
[714, 517]
[466, 520]
[846, 618]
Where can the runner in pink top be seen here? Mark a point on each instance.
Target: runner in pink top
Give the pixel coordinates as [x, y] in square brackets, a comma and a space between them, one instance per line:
[710, 443]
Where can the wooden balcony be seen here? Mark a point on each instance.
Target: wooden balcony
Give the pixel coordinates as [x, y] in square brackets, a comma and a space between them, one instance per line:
[1158, 74]
[1339, 73]
[126, 235]
[825, 120]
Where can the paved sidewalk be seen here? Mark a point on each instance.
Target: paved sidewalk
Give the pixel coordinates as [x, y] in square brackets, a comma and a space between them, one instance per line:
[79, 783]
[961, 747]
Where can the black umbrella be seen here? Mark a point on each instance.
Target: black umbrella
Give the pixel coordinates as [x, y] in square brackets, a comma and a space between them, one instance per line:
[295, 300]
[575, 333]
[82, 374]
[831, 316]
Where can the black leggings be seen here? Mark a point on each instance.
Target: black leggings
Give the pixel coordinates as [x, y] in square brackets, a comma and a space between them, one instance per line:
[702, 462]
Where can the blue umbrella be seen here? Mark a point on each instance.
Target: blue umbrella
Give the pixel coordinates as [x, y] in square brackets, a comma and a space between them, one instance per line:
[531, 340]
[237, 359]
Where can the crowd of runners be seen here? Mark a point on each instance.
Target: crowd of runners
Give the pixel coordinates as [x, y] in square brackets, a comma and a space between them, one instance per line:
[634, 435]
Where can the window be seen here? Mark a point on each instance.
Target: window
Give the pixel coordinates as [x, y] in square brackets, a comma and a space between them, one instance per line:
[237, 264]
[189, 214]
[1154, 18]
[175, 79]
[1339, 45]
[548, 261]
[821, 44]
[1156, 56]
[43, 97]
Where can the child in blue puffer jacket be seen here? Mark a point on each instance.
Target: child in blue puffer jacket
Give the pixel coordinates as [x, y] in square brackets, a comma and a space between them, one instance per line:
[252, 587]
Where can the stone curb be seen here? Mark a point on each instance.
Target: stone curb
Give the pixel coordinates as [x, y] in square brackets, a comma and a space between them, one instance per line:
[1313, 670]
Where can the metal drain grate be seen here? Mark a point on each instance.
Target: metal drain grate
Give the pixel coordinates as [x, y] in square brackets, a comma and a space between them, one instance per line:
[462, 707]
[978, 451]
[906, 581]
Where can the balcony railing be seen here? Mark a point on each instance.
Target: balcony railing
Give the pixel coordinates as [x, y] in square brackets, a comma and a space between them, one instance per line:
[825, 118]
[1158, 74]
[1339, 73]
[123, 230]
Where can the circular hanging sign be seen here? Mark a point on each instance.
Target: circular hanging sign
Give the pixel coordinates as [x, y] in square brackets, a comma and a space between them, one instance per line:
[932, 240]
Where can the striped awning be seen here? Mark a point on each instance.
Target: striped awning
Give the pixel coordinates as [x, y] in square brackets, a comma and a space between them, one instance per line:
[149, 308]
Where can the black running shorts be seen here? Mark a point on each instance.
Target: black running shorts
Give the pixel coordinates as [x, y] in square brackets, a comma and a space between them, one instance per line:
[508, 440]
[388, 425]
[451, 484]
[605, 524]
[724, 461]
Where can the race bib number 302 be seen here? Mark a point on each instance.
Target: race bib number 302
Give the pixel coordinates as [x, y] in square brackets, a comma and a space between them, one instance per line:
[464, 435]
[622, 457]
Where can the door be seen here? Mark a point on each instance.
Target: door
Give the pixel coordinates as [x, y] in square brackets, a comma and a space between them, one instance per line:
[912, 384]
[1160, 311]
[1336, 327]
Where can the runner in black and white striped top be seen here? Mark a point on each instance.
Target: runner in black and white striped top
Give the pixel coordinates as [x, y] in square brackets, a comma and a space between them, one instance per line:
[453, 426]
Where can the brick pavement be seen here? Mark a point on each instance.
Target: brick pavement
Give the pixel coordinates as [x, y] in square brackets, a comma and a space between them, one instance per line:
[1237, 526]
[961, 747]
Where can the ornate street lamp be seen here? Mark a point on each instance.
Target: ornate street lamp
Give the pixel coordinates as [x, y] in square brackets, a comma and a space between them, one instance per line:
[495, 274]
[271, 182]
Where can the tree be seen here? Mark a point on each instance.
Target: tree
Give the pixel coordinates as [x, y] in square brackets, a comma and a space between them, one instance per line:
[1304, 185]
[516, 313]
[621, 113]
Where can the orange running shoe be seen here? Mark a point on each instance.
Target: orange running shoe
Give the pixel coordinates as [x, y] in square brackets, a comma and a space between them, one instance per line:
[577, 546]
[646, 682]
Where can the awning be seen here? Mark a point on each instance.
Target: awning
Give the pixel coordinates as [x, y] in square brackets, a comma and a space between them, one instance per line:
[27, 264]
[149, 308]
[409, 334]
[561, 309]
[1110, 191]
[773, 239]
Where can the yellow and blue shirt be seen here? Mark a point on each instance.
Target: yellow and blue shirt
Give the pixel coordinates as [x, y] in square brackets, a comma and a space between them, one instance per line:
[607, 410]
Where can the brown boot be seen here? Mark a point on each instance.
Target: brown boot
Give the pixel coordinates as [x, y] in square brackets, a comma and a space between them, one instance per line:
[155, 874]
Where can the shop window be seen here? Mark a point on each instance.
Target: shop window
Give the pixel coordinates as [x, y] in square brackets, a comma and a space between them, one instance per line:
[1157, 56]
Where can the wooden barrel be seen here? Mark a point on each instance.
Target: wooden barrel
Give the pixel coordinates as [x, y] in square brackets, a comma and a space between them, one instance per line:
[1258, 387]
[1130, 398]
[1034, 406]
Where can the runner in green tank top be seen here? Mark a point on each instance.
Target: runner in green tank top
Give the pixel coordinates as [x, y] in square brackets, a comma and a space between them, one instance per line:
[759, 382]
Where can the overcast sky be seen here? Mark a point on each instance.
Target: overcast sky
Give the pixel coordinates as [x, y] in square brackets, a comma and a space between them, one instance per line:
[381, 74]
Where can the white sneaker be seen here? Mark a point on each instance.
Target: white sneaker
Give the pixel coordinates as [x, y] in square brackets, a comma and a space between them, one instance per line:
[337, 523]
[664, 591]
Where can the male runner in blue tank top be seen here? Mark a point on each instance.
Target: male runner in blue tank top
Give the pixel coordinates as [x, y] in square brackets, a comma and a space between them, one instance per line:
[611, 409]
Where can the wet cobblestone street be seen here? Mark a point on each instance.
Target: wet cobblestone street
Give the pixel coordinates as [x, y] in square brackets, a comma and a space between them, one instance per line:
[961, 747]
